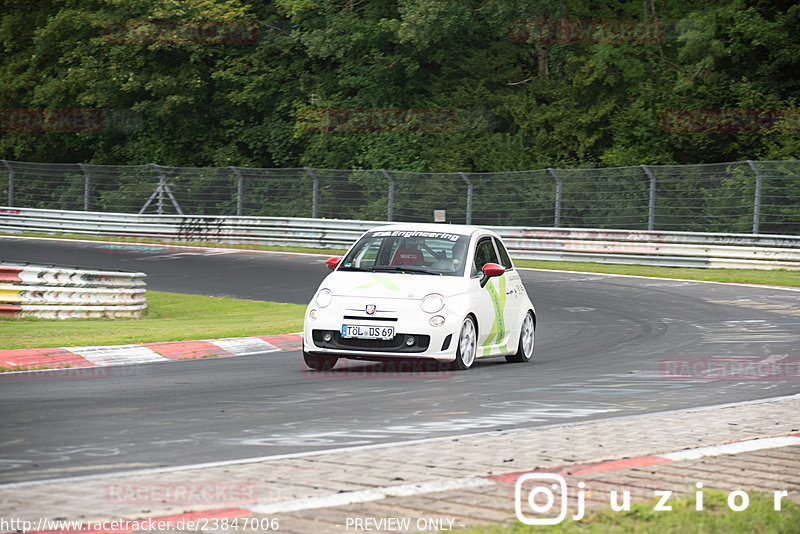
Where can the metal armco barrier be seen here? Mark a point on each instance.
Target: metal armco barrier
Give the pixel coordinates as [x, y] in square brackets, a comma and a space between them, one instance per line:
[673, 249]
[667, 249]
[55, 292]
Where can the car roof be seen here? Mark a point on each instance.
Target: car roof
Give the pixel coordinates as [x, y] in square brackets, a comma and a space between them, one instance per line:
[433, 227]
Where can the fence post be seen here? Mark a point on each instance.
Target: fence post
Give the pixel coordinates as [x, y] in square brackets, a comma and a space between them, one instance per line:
[469, 197]
[557, 221]
[85, 187]
[391, 194]
[239, 190]
[651, 206]
[10, 182]
[757, 199]
[314, 192]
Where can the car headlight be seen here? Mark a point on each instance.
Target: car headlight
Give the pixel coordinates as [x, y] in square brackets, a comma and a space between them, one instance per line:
[432, 303]
[323, 298]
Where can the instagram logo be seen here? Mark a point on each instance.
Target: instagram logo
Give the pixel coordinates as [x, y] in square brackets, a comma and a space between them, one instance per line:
[541, 498]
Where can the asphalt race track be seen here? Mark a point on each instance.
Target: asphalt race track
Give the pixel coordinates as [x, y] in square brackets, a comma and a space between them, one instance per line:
[606, 346]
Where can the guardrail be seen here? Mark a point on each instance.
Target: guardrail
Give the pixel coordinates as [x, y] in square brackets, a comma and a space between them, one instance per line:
[56, 292]
[605, 246]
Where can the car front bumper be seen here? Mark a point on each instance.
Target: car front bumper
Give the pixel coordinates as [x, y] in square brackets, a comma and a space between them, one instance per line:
[414, 337]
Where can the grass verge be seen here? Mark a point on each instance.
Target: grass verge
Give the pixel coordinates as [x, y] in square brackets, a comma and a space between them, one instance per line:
[170, 317]
[760, 517]
[745, 276]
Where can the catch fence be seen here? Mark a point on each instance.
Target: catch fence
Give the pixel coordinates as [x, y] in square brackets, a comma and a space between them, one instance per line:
[736, 197]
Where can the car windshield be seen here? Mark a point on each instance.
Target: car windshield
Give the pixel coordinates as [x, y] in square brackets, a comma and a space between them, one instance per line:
[408, 251]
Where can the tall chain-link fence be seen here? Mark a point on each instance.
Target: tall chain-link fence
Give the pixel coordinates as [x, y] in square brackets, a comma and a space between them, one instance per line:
[737, 197]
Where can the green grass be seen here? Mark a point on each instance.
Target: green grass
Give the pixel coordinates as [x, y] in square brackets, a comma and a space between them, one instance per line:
[749, 276]
[715, 517]
[170, 317]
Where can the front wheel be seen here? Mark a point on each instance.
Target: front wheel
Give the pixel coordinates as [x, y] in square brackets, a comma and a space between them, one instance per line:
[320, 363]
[467, 345]
[526, 339]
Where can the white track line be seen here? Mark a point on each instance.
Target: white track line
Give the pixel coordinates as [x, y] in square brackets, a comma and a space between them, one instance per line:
[729, 284]
[373, 494]
[731, 448]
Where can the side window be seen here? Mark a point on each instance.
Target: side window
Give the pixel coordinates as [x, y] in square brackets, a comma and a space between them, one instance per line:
[505, 259]
[484, 253]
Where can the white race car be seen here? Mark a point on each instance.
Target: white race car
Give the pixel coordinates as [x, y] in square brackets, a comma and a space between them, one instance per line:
[448, 293]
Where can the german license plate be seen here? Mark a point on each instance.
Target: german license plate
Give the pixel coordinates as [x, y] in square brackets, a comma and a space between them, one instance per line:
[367, 332]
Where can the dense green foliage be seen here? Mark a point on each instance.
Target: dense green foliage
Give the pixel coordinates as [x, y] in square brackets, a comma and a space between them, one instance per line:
[517, 103]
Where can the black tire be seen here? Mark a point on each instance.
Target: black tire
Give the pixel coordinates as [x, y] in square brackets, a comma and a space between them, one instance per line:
[527, 337]
[467, 348]
[319, 363]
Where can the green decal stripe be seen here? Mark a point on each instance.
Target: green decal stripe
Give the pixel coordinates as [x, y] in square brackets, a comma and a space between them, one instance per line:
[385, 282]
[501, 328]
[495, 304]
[498, 330]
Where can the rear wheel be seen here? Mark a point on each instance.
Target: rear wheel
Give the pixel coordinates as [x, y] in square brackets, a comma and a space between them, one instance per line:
[320, 363]
[467, 345]
[526, 339]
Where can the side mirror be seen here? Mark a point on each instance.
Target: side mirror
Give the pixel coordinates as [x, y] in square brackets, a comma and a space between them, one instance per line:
[333, 263]
[490, 270]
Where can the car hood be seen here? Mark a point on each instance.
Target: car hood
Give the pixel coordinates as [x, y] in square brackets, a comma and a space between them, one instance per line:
[392, 285]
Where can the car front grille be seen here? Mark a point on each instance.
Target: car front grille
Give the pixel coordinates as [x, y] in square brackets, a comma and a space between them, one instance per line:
[396, 344]
[368, 318]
